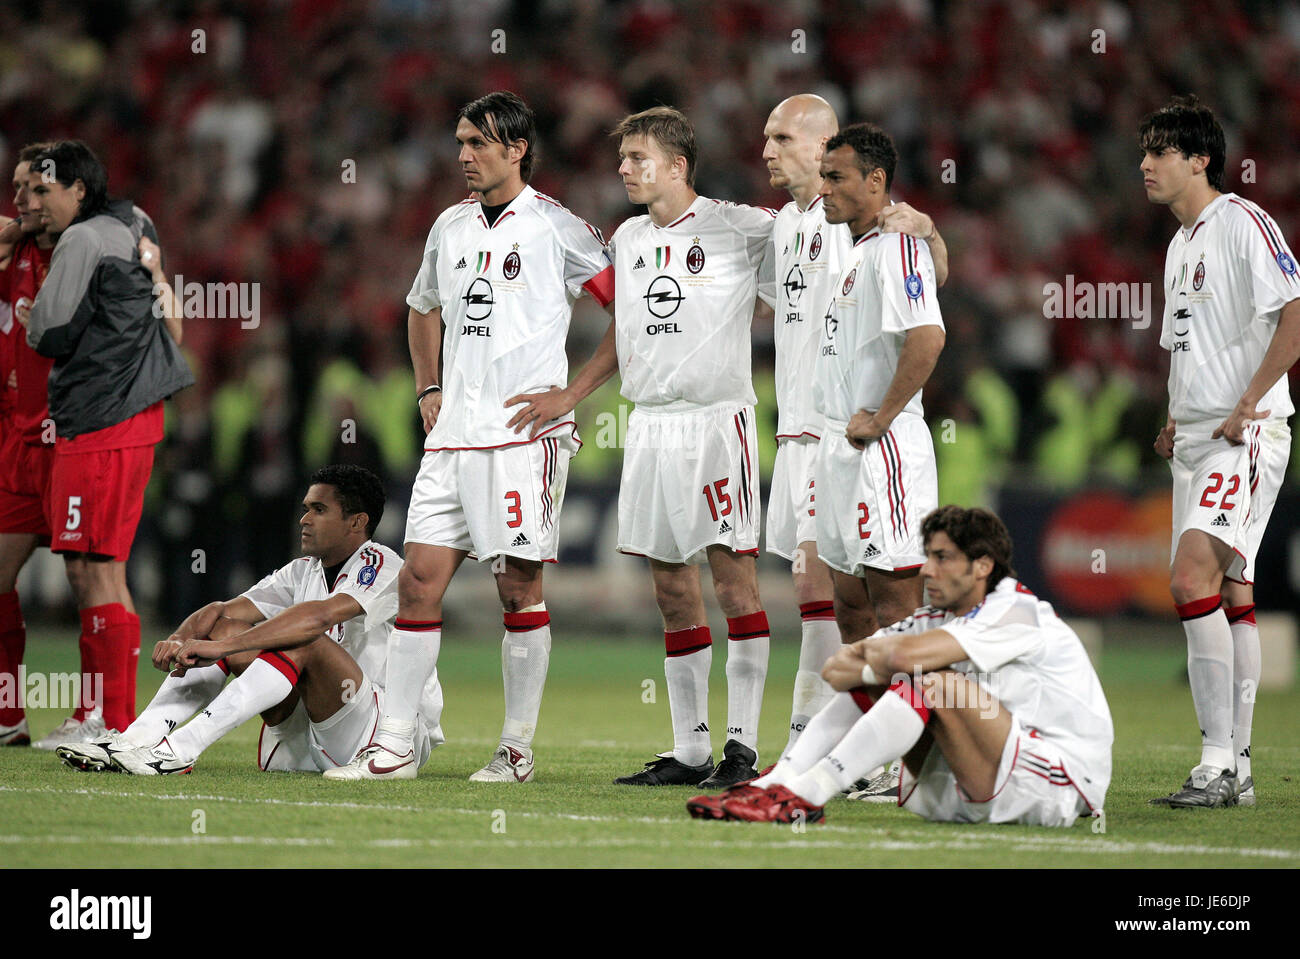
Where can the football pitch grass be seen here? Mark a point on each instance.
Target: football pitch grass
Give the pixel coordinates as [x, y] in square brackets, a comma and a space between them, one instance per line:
[596, 725]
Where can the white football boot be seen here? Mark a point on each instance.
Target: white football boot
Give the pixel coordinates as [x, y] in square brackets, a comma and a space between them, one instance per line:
[508, 765]
[376, 762]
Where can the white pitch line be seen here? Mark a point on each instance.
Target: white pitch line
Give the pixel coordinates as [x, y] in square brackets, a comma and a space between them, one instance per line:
[924, 839]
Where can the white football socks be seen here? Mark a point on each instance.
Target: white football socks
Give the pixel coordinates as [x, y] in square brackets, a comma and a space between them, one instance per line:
[1246, 668]
[1209, 670]
[412, 657]
[177, 699]
[686, 669]
[748, 645]
[256, 690]
[890, 728]
[525, 655]
[823, 731]
[820, 640]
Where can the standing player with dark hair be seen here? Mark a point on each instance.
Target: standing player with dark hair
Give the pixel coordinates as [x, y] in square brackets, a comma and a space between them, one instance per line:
[986, 693]
[688, 273]
[809, 254]
[306, 645]
[25, 456]
[1232, 326]
[501, 271]
[883, 334]
[114, 364]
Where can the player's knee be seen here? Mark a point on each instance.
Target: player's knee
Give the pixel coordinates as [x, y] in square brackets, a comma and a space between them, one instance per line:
[1186, 585]
[892, 609]
[415, 585]
[738, 599]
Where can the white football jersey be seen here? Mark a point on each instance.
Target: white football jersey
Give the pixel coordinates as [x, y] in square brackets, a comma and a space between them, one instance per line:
[886, 288]
[1030, 661]
[506, 294]
[370, 577]
[809, 255]
[685, 303]
[1226, 281]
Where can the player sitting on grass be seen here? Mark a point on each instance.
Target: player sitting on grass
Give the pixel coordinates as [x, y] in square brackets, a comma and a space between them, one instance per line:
[304, 644]
[986, 673]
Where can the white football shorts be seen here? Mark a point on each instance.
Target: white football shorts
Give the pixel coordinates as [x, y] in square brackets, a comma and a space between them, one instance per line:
[690, 481]
[298, 744]
[1229, 491]
[493, 502]
[1034, 787]
[791, 508]
[870, 503]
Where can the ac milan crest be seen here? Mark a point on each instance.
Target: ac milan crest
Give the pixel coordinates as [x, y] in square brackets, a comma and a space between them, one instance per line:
[815, 247]
[511, 266]
[695, 258]
[848, 281]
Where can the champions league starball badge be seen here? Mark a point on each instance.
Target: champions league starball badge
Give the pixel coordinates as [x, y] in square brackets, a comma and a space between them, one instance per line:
[367, 575]
[913, 285]
[1286, 264]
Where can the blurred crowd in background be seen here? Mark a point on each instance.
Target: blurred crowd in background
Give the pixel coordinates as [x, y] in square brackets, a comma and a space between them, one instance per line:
[238, 126]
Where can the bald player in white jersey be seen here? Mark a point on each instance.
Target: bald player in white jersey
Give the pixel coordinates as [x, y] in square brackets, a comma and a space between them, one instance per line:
[1232, 326]
[1006, 723]
[308, 645]
[501, 271]
[809, 254]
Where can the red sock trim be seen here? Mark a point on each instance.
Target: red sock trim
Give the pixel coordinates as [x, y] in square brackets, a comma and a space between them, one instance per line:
[418, 626]
[683, 642]
[1241, 614]
[1198, 607]
[749, 626]
[811, 611]
[225, 666]
[281, 662]
[860, 697]
[908, 694]
[526, 622]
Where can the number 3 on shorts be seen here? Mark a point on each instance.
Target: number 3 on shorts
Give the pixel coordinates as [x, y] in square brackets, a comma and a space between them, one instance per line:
[513, 510]
[74, 512]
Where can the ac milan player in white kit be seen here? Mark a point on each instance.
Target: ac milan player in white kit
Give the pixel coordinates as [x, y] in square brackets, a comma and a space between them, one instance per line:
[688, 273]
[502, 271]
[1232, 326]
[985, 692]
[809, 254]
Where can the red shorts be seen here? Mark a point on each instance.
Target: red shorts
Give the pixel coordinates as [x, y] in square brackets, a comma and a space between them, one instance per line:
[24, 485]
[96, 499]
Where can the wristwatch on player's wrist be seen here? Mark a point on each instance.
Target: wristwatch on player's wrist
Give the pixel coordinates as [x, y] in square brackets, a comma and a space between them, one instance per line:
[435, 388]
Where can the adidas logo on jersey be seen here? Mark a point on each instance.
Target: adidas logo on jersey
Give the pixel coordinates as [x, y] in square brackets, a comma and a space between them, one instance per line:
[871, 552]
[724, 527]
[460, 265]
[1220, 521]
[521, 540]
[701, 728]
[639, 264]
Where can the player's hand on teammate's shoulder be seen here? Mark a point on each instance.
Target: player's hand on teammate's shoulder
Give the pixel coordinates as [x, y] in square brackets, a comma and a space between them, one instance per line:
[1234, 427]
[539, 409]
[430, 407]
[904, 218]
[864, 428]
[151, 258]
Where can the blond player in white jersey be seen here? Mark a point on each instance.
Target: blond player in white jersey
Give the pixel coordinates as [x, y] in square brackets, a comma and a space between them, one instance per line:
[688, 273]
[307, 644]
[501, 271]
[881, 338]
[809, 253]
[1232, 326]
[989, 697]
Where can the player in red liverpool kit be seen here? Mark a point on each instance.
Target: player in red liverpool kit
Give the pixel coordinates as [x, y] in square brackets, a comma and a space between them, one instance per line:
[25, 455]
[114, 364]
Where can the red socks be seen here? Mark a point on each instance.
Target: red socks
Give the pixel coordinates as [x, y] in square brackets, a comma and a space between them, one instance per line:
[13, 641]
[110, 639]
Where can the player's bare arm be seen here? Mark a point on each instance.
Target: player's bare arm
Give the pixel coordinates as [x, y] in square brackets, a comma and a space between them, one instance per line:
[920, 352]
[296, 626]
[151, 257]
[424, 334]
[1282, 354]
[201, 623]
[890, 654]
[1164, 444]
[10, 234]
[904, 218]
[541, 408]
